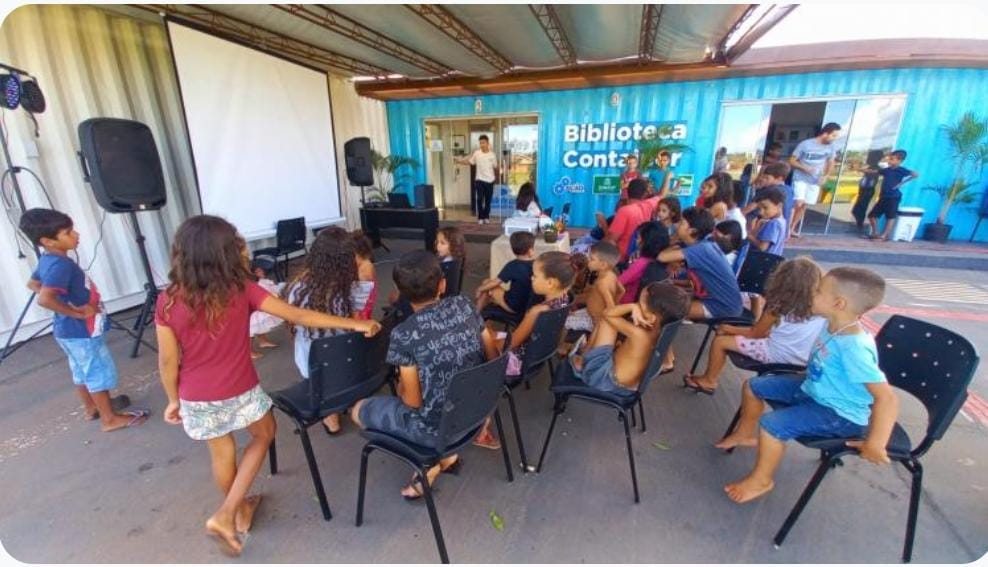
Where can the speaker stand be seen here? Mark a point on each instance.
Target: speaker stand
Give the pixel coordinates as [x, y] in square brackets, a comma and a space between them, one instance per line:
[146, 316]
[14, 170]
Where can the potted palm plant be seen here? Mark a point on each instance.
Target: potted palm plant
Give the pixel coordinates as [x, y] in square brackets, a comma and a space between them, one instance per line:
[389, 172]
[968, 139]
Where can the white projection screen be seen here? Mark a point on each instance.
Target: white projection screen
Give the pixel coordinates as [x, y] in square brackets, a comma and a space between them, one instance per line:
[261, 131]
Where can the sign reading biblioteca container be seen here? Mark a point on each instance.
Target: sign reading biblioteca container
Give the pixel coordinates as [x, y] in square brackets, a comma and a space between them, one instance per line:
[594, 153]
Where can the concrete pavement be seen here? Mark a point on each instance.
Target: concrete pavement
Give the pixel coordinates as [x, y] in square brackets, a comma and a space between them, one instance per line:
[73, 494]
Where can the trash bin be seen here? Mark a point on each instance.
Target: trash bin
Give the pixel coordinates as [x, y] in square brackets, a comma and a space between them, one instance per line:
[908, 223]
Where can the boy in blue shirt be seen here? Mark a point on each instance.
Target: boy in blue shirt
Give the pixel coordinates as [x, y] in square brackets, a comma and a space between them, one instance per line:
[78, 325]
[893, 177]
[844, 393]
[768, 233]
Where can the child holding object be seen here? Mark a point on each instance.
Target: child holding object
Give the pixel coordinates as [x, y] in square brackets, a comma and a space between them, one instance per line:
[783, 334]
[844, 393]
[620, 369]
[79, 322]
[202, 321]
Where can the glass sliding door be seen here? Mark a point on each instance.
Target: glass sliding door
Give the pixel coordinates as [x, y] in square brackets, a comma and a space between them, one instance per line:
[519, 147]
[871, 137]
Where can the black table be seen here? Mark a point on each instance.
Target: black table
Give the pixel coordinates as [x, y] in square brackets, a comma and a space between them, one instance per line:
[373, 219]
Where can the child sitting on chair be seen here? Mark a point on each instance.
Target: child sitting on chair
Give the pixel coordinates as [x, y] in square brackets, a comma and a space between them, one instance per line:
[606, 289]
[451, 247]
[620, 369]
[441, 338]
[782, 335]
[552, 277]
[262, 323]
[844, 393]
[652, 239]
[768, 233]
[511, 290]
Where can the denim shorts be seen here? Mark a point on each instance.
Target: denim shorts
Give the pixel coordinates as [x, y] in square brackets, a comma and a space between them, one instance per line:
[796, 414]
[388, 414]
[90, 362]
[598, 371]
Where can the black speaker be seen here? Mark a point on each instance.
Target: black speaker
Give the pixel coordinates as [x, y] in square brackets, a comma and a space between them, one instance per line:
[425, 197]
[358, 162]
[120, 160]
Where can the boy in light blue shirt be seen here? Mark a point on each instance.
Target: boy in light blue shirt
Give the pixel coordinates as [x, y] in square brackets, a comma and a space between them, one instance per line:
[844, 393]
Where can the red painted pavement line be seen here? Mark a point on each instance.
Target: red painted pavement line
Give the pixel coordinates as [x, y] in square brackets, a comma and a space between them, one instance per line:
[870, 325]
[976, 407]
[921, 312]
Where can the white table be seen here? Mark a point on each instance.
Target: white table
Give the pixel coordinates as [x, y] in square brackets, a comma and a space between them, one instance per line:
[501, 252]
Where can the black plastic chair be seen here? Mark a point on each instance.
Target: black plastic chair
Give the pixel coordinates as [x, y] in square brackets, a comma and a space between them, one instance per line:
[289, 238]
[472, 397]
[934, 365]
[342, 369]
[453, 273]
[539, 352]
[758, 266]
[567, 386]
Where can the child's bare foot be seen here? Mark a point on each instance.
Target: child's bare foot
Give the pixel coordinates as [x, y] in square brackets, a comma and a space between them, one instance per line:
[577, 361]
[265, 343]
[414, 491]
[332, 423]
[245, 515]
[127, 419]
[225, 536]
[736, 440]
[747, 489]
[255, 355]
[91, 414]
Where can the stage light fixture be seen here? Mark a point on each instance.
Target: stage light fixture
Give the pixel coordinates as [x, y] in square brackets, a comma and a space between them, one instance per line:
[11, 91]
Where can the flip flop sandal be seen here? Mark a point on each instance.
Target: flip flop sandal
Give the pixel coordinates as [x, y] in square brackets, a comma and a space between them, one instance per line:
[136, 417]
[696, 387]
[417, 487]
[493, 445]
[665, 370]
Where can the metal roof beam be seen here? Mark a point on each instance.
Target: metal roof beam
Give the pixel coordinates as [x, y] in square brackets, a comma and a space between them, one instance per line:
[546, 15]
[266, 40]
[651, 16]
[766, 22]
[443, 20]
[331, 20]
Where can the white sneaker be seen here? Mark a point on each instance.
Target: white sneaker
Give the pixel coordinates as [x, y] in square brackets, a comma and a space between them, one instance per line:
[480, 221]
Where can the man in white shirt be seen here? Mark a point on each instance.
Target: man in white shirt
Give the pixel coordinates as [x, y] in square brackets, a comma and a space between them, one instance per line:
[483, 183]
[811, 162]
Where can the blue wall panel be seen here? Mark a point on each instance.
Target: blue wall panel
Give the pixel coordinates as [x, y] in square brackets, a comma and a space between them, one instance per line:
[935, 97]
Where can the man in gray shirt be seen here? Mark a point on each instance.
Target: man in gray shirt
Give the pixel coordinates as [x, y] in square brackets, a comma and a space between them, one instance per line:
[811, 162]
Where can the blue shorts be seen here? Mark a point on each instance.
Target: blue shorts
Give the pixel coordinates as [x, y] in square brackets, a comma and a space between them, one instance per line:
[91, 363]
[598, 371]
[796, 414]
[389, 415]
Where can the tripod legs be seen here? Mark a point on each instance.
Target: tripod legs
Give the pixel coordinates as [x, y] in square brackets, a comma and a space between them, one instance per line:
[145, 318]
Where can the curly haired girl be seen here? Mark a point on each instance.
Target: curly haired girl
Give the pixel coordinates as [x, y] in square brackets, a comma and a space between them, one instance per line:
[202, 321]
[327, 283]
[783, 334]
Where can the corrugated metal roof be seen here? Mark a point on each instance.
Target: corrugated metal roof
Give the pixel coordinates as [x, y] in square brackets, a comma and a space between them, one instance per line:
[598, 33]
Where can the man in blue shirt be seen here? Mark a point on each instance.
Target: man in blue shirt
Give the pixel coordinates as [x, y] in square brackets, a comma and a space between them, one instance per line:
[893, 177]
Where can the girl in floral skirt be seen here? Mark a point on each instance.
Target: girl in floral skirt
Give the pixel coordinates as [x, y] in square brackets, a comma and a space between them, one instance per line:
[202, 322]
